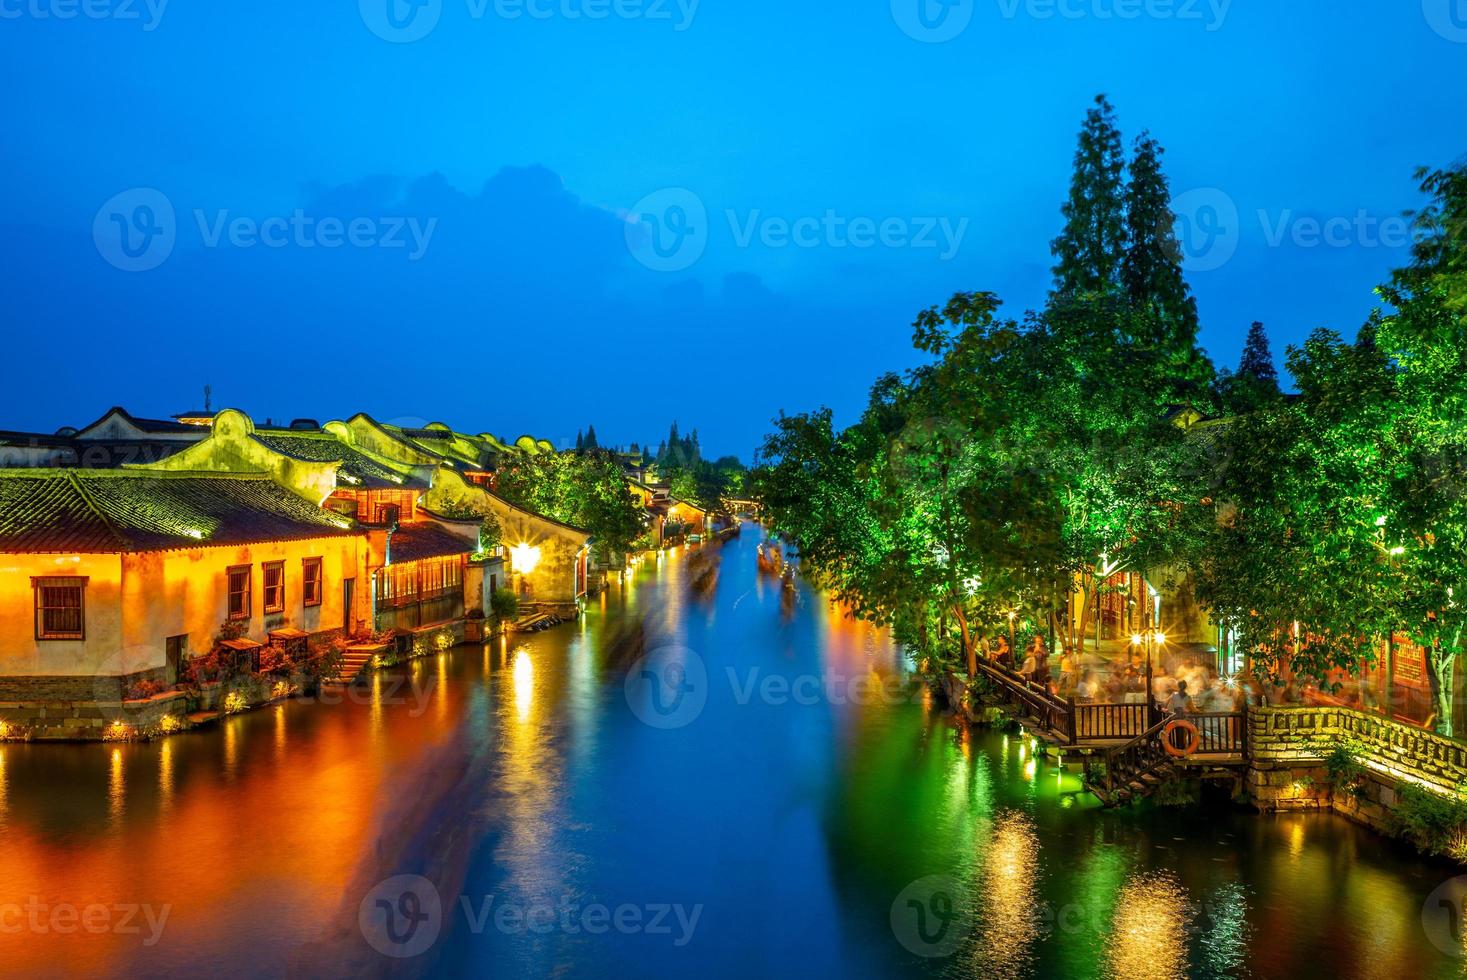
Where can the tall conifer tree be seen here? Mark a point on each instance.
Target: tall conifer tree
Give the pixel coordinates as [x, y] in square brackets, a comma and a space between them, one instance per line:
[1089, 250]
[1151, 270]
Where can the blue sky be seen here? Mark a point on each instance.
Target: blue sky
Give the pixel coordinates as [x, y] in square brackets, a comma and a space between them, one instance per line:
[817, 173]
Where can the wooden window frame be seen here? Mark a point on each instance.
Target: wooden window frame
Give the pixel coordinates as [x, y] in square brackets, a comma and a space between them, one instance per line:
[307, 564]
[249, 592]
[78, 582]
[266, 606]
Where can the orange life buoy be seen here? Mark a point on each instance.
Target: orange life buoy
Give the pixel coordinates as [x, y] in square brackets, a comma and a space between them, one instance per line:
[1194, 741]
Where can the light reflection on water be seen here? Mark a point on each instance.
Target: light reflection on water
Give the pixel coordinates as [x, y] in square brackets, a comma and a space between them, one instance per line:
[1008, 907]
[1148, 939]
[519, 771]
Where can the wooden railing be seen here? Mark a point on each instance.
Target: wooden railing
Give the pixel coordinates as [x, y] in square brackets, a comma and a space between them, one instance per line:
[1053, 714]
[1111, 721]
[1222, 733]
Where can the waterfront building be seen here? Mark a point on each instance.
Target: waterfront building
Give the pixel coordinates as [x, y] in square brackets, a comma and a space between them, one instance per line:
[111, 578]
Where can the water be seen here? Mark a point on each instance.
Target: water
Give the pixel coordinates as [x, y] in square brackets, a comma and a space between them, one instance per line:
[572, 824]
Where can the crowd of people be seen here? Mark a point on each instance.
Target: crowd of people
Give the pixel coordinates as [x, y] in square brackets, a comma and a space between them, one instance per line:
[1179, 685]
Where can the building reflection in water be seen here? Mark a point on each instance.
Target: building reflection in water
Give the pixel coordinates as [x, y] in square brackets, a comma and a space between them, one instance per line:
[1149, 929]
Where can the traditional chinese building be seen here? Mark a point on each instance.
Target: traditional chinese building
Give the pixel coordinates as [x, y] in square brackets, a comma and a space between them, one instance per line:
[111, 577]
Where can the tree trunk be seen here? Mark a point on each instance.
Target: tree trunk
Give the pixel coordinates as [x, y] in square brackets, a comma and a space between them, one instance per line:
[1442, 664]
[969, 647]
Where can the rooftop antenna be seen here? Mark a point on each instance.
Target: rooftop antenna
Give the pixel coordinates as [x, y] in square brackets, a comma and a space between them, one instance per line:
[208, 395]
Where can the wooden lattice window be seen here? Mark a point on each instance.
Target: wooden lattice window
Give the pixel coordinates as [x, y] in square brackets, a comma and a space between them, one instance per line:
[311, 581]
[274, 587]
[240, 590]
[60, 608]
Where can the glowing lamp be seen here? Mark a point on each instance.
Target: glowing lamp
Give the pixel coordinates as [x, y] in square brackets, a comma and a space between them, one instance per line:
[1160, 638]
[526, 558]
[1137, 639]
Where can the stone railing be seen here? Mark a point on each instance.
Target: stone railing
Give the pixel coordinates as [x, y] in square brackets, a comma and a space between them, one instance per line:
[1303, 737]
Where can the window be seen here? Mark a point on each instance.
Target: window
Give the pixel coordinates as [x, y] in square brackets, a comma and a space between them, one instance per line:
[311, 581]
[274, 587]
[60, 612]
[239, 592]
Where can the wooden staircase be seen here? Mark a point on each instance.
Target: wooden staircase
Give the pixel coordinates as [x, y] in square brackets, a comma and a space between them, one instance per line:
[1135, 770]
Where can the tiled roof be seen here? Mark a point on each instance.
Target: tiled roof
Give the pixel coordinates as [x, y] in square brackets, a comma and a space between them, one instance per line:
[414, 542]
[95, 454]
[147, 425]
[107, 511]
[325, 448]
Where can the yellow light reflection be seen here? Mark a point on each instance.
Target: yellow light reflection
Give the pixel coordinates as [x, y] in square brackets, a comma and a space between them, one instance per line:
[1149, 928]
[116, 787]
[165, 775]
[524, 684]
[280, 733]
[1009, 924]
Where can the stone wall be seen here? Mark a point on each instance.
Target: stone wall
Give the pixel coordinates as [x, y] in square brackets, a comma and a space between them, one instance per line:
[105, 687]
[1288, 748]
[87, 720]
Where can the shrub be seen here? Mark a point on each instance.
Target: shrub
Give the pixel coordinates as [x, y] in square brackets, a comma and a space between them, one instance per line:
[142, 690]
[1346, 771]
[1435, 823]
[504, 603]
[275, 661]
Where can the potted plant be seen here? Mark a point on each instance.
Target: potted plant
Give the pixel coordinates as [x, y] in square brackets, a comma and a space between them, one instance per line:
[474, 626]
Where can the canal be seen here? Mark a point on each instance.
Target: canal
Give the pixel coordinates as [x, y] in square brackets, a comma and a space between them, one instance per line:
[761, 788]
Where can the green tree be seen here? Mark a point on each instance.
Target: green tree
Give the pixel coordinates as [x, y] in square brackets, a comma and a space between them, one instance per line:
[587, 490]
[1088, 251]
[1151, 269]
[1256, 383]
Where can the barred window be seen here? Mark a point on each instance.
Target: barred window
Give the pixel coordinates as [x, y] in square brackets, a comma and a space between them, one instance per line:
[239, 592]
[311, 581]
[60, 608]
[274, 587]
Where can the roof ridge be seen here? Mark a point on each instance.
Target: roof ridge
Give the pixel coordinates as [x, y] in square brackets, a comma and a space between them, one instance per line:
[533, 513]
[95, 508]
[131, 472]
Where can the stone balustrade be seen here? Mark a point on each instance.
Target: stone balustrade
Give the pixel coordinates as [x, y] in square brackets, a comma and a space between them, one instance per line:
[1302, 737]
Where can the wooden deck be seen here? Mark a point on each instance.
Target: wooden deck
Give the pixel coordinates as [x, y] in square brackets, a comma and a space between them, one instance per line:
[1137, 742]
